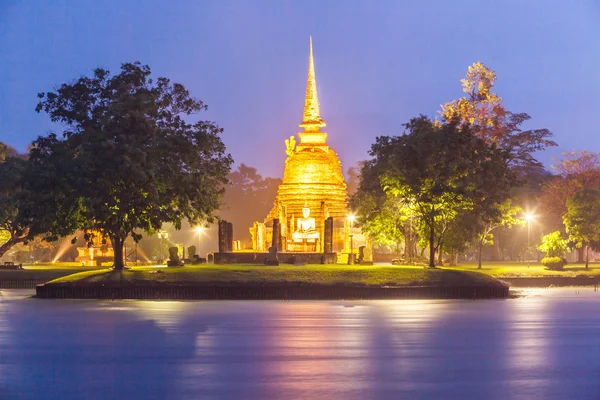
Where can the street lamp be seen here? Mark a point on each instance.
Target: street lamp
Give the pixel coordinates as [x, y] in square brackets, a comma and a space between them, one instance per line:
[199, 231]
[351, 218]
[529, 218]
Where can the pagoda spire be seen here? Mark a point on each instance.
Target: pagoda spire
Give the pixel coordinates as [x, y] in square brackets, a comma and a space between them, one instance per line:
[312, 121]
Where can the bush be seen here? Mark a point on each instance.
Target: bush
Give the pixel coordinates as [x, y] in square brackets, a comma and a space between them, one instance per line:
[554, 245]
[555, 263]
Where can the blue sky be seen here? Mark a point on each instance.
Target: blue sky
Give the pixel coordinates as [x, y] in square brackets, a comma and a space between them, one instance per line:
[378, 63]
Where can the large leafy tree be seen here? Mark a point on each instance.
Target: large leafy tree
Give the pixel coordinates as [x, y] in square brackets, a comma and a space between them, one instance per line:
[484, 112]
[442, 170]
[129, 158]
[582, 218]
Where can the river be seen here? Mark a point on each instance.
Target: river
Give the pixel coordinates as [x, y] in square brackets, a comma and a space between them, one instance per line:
[542, 345]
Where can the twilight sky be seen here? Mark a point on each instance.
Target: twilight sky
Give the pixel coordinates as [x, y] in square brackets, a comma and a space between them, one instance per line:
[378, 63]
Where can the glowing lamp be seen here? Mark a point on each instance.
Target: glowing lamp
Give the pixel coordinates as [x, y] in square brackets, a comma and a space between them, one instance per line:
[529, 217]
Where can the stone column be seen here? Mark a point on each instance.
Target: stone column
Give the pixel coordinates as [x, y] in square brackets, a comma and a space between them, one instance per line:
[276, 239]
[328, 236]
[222, 236]
[229, 236]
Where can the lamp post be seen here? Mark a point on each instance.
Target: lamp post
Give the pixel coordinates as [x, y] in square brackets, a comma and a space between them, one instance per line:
[528, 217]
[351, 218]
[199, 230]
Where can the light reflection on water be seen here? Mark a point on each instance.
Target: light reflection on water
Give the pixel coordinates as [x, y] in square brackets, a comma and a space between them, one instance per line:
[545, 345]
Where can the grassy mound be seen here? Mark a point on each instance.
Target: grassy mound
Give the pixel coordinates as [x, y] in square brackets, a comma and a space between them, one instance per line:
[284, 274]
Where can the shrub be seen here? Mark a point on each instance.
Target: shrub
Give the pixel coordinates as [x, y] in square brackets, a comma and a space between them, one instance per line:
[555, 263]
[554, 245]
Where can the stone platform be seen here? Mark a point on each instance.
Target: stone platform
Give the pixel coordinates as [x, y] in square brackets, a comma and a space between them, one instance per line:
[284, 258]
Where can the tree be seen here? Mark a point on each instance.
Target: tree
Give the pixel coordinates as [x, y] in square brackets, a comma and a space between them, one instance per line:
[582, 219]
[248, 198]
[460, 232]
[492, 217]
[483, 111]
[353, 181]
[577, 170]
[443, 170]
[128, 159]
[14, 228]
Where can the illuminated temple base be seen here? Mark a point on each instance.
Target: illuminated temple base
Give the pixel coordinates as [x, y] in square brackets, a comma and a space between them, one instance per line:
[284, 258]
[312, 179]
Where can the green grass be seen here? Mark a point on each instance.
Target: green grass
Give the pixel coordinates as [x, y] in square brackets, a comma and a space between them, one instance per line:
[43, 271]
[323, 274]
[259, 274]
[515, 270]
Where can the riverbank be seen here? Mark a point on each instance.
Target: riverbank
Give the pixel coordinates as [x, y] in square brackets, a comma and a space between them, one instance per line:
[287, 282]
[536, 275]
[502, 270]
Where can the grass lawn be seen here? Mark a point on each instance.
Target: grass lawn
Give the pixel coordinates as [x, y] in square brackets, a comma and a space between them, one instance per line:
[324, 274]
[260, 274]
[43, 271]
[515, 270]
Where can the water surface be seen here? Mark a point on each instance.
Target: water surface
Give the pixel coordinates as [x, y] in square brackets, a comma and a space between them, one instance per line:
[545, 345]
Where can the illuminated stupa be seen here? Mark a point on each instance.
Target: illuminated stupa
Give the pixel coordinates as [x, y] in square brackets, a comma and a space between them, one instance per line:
[312, 189]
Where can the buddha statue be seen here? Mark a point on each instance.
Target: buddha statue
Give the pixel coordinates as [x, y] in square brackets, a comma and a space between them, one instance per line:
[306, 227]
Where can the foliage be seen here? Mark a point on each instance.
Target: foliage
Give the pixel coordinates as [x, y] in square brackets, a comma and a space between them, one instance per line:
[383, 216]
[15, 227]
[6, 151]
[576, 171]
[554, 262]
[460, 232]
[582, 219]
[249, 197]
[554, 245]
[128, 160]
[353, 181]
[494, 216]
[442, 170]
[4, 236]
[483, 111]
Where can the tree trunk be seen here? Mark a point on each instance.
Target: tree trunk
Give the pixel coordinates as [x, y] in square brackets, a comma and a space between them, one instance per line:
[454, 259]
[440, 254]
[587, 255]
[431, 245]
[495, 248]
[580, 255]
[479, 255]
[117, 243]
[9, 244]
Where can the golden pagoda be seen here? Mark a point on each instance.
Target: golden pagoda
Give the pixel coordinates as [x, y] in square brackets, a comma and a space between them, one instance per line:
[312, 189]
